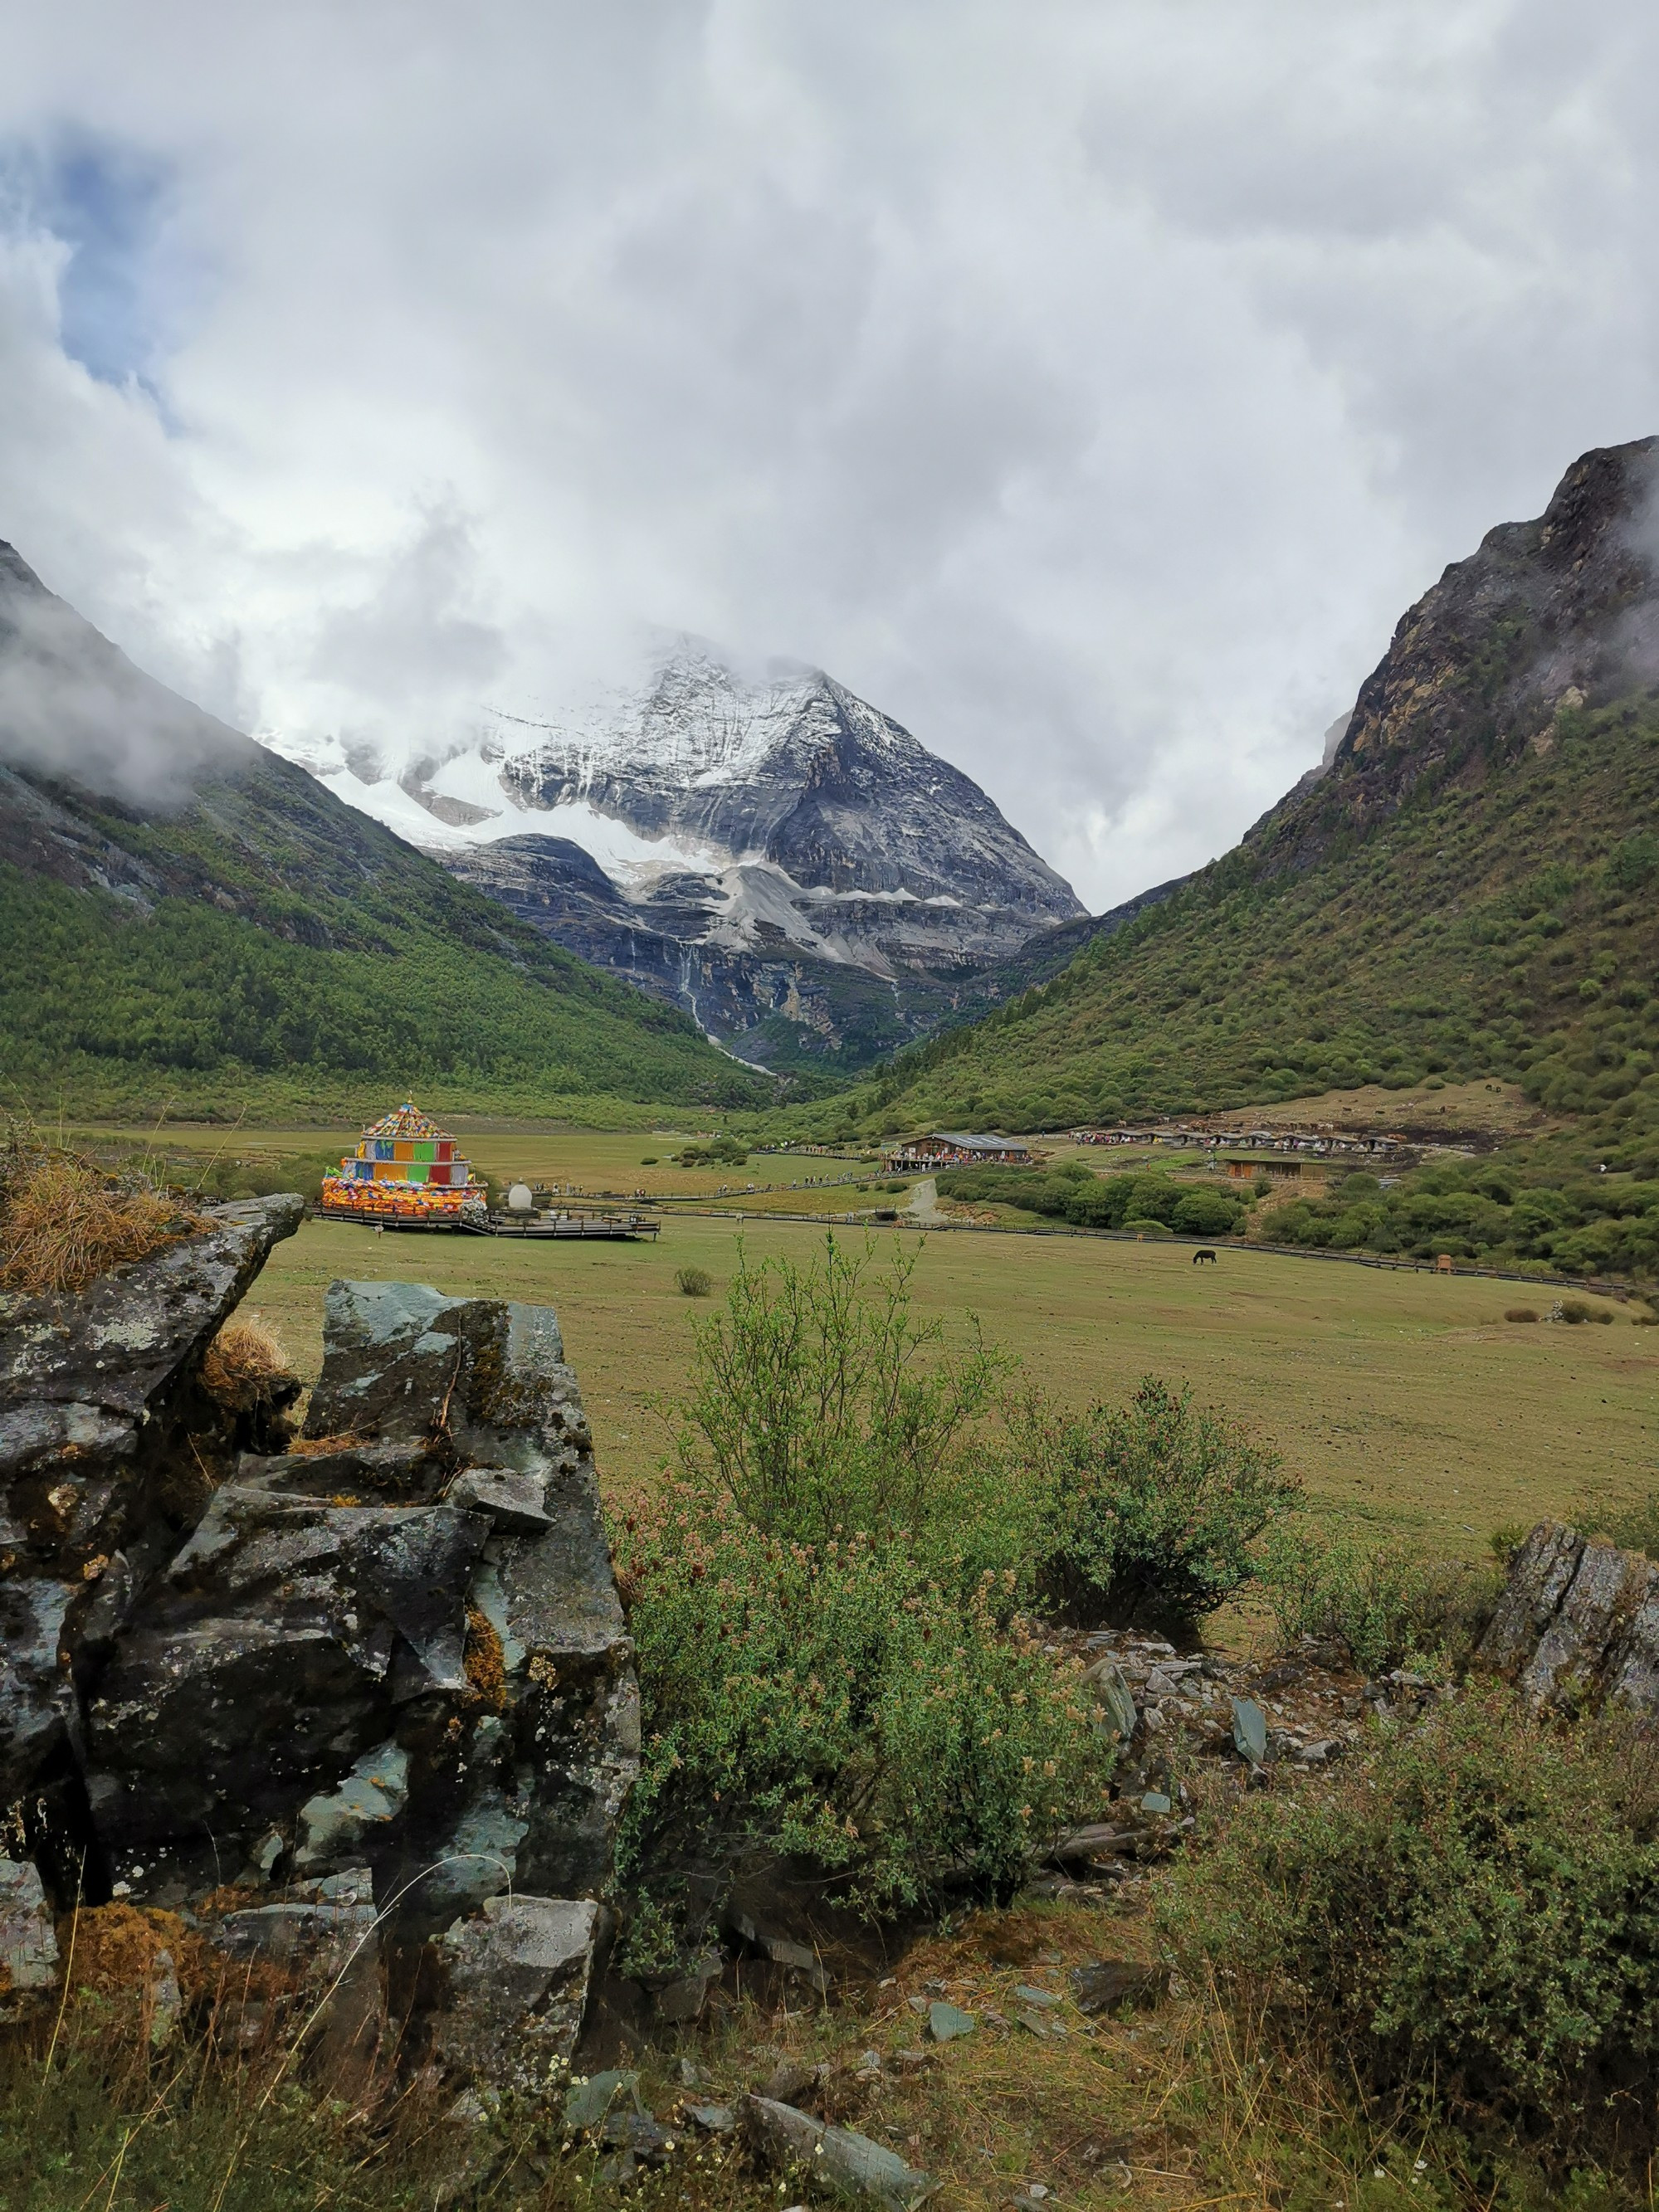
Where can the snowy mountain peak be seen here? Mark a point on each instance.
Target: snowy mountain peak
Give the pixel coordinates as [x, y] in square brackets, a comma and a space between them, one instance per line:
[709, 763]
[760, 814]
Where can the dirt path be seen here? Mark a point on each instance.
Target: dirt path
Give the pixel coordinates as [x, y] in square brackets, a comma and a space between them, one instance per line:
[923, 1203]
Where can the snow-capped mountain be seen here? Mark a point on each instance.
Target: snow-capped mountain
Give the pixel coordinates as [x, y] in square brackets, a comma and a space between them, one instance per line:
[763, 847]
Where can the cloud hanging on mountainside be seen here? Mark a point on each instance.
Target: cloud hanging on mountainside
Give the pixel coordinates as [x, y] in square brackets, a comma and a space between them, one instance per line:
[1091, 389]
[72, 706]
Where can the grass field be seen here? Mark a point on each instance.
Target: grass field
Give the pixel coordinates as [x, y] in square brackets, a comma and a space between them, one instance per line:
[588, 1159]
[1405, 1400]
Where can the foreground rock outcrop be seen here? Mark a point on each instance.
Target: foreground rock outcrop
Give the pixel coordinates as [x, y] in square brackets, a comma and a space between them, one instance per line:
[361, 1712]
[1577, 1624]
[100, 1402]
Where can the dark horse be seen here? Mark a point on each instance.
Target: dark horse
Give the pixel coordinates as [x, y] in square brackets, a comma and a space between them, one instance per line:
[1204, 1253]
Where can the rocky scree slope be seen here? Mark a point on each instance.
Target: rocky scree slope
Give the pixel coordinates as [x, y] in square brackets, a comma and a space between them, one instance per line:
[182, 907]
[358, 1711]
[768, 851]
[1468, 888]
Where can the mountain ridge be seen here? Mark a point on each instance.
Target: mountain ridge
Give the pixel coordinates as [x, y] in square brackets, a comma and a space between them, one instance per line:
[1466, 890]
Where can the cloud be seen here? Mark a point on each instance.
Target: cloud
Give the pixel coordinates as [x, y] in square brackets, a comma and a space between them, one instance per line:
[73, 706]
[1090, 388]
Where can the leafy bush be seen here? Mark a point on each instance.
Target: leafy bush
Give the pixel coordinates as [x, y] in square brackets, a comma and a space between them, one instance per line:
[1519, 1313]
[1610, 1224]
[822, 1409]
[227, 1176]
[833, 1702]
[824, 1604]
[1467, 1918]
[1505, 1541]
[1147, 1228]
[719, 1151]
[1383, 1604]
[1205, 1213]
[1150, 1511]
[692, 1282]
[1074, 1193]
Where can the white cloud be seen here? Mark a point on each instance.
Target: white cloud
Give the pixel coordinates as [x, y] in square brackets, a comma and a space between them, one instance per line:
[1092, 387]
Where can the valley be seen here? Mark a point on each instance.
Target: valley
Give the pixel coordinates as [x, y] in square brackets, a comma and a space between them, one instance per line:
[204, 922]
[830, 1108]
[1316, 1476]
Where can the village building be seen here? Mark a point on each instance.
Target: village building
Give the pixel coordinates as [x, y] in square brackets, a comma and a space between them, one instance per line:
[1321, 1144]
[946, 1148]
[1275, 1166]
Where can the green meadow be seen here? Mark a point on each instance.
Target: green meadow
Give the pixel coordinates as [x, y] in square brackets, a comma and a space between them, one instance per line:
[1404, 1401]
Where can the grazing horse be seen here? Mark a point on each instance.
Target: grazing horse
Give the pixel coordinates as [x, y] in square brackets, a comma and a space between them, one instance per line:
[1204, 1253]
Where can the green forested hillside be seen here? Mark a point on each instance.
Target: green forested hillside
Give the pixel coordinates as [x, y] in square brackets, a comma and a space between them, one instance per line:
[1511, 931]
[186, 917]
[265, 947]
[1473, 889]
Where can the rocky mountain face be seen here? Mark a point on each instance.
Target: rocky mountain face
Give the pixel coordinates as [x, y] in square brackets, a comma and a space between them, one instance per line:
[357, 1708]
[1562, 613]
[766, 850]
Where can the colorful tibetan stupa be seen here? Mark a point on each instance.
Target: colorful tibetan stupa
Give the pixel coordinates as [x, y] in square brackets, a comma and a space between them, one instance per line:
[404, 1169]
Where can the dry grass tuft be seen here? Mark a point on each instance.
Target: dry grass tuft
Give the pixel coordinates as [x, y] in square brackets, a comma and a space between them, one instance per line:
[117, 1948]
[64, 1222]
[245, 1365]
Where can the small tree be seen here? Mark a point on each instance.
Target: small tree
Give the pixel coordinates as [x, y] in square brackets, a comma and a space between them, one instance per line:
[822, 1407]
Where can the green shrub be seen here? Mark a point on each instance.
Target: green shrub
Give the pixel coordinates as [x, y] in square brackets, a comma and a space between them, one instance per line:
[1205, 1213]
[227, 1176]
[834, 1703]
[1074, 1192]
[1383, 1604]
[1147, 1228]
[692, 1282]
[822, 1409]
[1150, 1511]
[1505, 1541]
[1466, 1918]
[718, 1152]
[832, 1663]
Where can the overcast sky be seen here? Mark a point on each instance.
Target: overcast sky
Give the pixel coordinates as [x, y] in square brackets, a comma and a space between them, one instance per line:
[1089, 385]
